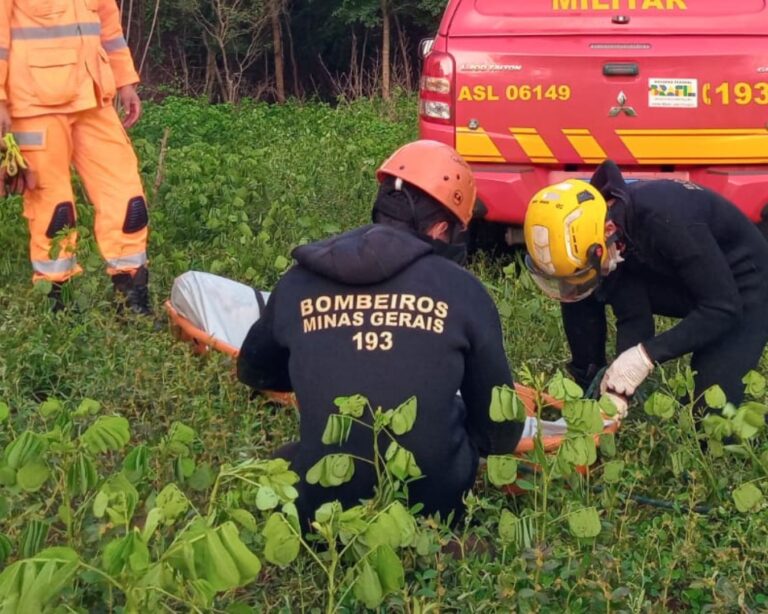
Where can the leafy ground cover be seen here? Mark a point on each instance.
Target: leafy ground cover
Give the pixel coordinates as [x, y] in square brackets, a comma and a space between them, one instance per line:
[129, 474]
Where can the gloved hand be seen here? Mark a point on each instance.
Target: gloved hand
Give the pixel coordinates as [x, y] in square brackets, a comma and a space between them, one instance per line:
[627, 372]
[620, 402]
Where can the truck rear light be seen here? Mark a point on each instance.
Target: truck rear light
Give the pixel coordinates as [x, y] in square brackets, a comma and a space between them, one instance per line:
[438, 85]
[436, 88]
[435, 110]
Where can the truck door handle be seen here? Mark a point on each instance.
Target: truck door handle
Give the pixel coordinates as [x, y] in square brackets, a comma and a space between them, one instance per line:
[614, 69]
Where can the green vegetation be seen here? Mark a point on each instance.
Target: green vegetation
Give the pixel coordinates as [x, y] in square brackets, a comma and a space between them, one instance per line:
[133, 474]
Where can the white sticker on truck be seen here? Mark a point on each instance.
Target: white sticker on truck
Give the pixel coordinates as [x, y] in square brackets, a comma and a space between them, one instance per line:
[673, 93]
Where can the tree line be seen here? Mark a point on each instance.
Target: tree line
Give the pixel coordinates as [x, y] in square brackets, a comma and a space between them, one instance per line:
[278, 49]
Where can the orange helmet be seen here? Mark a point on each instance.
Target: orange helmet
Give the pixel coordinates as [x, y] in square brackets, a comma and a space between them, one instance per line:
[438, 170]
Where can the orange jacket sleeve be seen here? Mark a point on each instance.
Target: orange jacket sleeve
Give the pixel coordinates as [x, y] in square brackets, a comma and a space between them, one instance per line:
[114, 44]
[5, 45]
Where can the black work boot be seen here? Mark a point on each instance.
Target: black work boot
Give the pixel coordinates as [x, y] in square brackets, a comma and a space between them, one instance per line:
[55, 296]
[132, 293]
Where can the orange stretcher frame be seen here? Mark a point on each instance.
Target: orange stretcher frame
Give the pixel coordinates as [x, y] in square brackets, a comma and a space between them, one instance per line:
[202, 342]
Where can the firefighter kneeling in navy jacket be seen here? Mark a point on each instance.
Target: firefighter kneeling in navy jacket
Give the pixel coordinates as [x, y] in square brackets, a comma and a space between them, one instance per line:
[660, 247]
[386, 311]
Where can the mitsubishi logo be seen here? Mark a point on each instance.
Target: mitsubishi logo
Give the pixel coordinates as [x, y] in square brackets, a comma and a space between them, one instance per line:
[622, 108]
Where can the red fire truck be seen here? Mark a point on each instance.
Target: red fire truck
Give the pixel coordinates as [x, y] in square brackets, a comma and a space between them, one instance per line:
[531, 92]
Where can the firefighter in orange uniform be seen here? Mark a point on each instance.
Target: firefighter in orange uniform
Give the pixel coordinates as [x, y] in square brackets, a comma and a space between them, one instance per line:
[61, 64]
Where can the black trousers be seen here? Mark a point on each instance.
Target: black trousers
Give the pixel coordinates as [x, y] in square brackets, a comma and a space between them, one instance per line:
[635, 299]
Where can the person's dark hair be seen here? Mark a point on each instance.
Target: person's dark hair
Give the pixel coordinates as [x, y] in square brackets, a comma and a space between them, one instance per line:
[411, 209]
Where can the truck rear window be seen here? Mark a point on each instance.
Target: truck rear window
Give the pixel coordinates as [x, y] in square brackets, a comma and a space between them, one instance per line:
[667, 8]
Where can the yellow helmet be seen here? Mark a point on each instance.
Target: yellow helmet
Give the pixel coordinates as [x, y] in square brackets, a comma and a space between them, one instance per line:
[565, 236]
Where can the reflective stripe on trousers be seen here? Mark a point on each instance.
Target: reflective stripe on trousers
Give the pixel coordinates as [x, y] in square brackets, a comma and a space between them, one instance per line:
[128, 262]
[55, 267]
[28, 139]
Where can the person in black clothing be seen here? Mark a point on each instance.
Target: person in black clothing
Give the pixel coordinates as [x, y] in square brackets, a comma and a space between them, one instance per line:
[385, 311]
[660, 247]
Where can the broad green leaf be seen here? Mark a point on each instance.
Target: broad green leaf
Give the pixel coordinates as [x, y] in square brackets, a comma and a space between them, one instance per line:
[400, 462]
[154, 518]
[584, 523]
[281, 262]
[383, 531]
[583, 416]
[107, 434]
[579, 451]
[282, 543]
[49, 408]
[405, 522]
[244, 518]
[332, 470]
[5, 549]
[127, 552]
[608, 444]
[180, 436]
[747, 497]
[749, 420]
[32, 476]
[506, 405]
[351, 522]
[117, 498]
[351, 406]
[502, 469]
[660, 405]
[25, 448]
[136, 463]
[368, 586]
[514, 531]
[81, 476]
[184, 467]
[5, 411]
[389, 568]
[507, 526]
[715, 397]
[87, 407]
[202, 478]
[7, 476]
[266, 499]
[33, 584]
[607, 406]
[563, 388]
[337, 429]
[612, 471]
[172, 502]
[754, 383]
[717, 427]
[33, 537]
[247, 563]
[404, 417]
[327, 512]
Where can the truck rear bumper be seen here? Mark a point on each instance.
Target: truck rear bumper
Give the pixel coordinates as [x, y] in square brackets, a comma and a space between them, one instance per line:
[505, 189]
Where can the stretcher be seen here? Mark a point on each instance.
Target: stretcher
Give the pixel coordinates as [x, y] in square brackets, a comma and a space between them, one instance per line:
[215, 313]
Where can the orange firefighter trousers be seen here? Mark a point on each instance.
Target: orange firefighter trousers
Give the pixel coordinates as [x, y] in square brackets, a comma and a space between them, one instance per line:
[95, 142]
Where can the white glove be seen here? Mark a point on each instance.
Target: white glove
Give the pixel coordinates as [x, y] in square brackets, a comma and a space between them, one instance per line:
[620, 402]
[627, 372]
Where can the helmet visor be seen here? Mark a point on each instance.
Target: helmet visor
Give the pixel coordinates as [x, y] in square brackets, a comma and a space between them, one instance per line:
[569, 289]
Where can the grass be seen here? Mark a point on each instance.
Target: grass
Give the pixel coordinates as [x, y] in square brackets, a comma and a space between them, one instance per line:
[239, 187]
